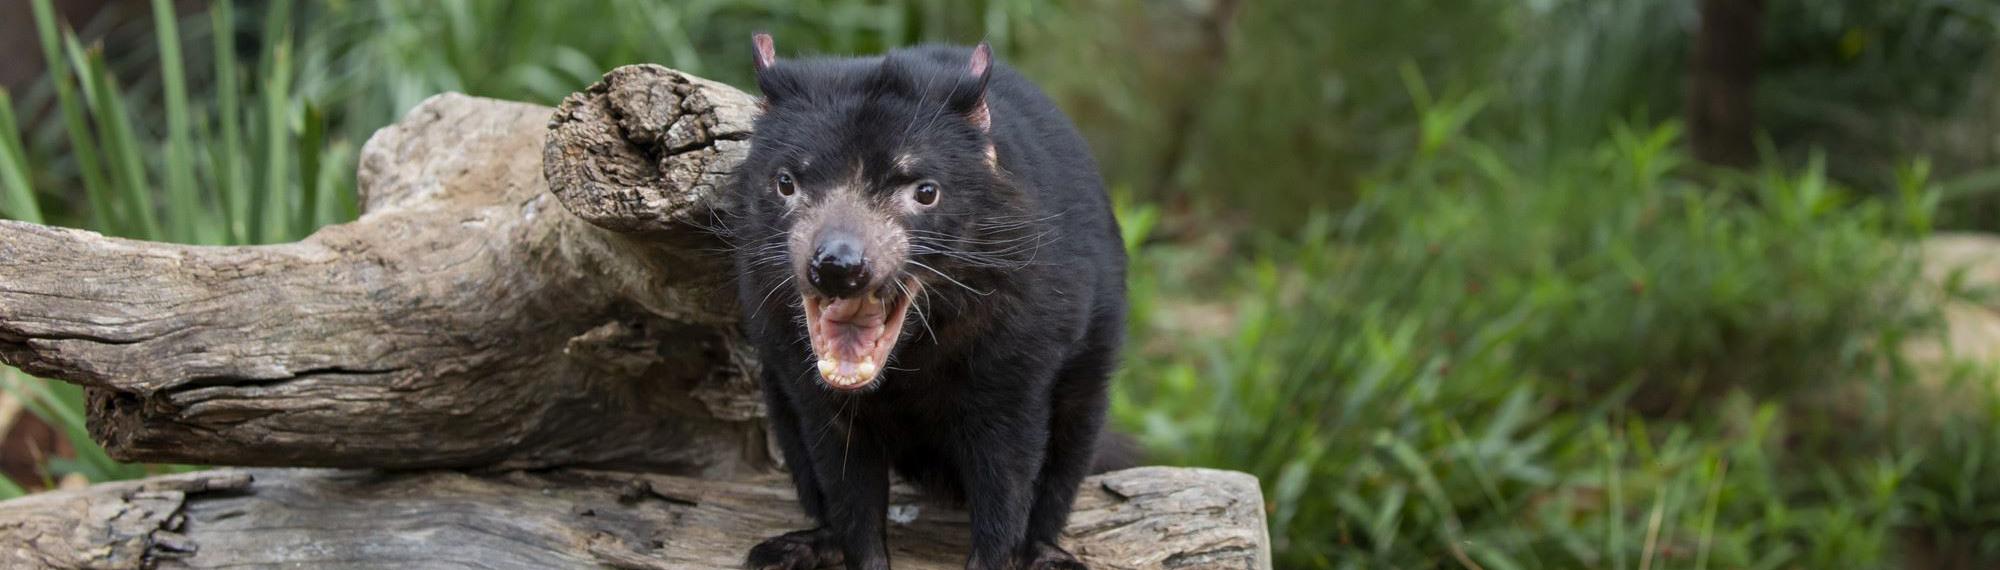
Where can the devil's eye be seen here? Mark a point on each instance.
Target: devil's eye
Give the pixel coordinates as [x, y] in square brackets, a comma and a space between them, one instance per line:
[926, 193]
[786, 187]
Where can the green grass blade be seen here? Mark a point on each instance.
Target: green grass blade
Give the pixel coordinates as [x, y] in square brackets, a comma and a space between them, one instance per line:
[1614, 523]
[17, 196]
[268, 210]
[183, 204]
[272, 222]
[80, 140]
[1650, 548]
[311, 135]
[79, 62]
[1719, 475]
[207, 170]
[60, 405]
[346, 202]
[9, 489]
[232, 180]
[121, 146]
[63, 406]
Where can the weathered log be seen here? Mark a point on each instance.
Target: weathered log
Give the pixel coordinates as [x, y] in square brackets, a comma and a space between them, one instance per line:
[1152, 517]
[469, 318]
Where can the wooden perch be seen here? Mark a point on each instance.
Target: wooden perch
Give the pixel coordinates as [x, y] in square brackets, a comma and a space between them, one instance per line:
[1139, 518]
[469, 318]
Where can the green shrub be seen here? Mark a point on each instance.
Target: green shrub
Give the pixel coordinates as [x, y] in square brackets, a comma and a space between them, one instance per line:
[1953, 497]
[1582, 360]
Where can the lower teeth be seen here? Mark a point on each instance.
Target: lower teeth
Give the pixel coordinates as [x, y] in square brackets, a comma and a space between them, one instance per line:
[830, 370]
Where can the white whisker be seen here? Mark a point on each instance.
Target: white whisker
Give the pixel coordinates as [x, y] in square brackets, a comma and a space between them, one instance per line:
[767, 296]
[953, 281]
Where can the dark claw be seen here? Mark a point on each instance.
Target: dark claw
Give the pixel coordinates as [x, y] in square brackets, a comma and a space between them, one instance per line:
[797, 550]
[1051, 557]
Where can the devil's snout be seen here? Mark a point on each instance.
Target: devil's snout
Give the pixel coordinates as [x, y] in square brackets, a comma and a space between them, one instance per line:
[838, 268]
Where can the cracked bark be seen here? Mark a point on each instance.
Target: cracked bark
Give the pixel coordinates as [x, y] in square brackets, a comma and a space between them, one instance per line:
[1151, 517]
[527, 289]
[115, 525]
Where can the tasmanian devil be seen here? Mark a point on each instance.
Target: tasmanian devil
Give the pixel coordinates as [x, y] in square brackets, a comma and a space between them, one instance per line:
[930, 272]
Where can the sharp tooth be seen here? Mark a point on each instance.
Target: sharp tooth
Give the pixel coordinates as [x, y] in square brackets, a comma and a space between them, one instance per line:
[827, 368]
[867, 368]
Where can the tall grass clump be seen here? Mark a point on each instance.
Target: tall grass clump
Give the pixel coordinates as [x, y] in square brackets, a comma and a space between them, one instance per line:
[234, 155]
[1505, 357]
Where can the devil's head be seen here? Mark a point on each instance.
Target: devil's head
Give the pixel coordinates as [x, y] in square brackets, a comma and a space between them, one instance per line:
[872, 187]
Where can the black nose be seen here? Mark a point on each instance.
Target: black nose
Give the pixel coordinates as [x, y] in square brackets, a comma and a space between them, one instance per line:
[838, 268]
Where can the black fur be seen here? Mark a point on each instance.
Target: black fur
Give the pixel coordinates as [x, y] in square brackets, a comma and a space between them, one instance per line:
[996, 391]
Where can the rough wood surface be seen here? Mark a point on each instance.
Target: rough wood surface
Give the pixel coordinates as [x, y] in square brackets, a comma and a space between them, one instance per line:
[644, 149]
[1151, 517]
[467, 319]
[131, 524]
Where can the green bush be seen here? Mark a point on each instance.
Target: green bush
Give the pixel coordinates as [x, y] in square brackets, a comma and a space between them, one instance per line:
[1955, 487]
[1587, 360]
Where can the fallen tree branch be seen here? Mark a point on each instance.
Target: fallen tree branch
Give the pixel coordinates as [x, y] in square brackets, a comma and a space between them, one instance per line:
[1140, 518]
[467, 319]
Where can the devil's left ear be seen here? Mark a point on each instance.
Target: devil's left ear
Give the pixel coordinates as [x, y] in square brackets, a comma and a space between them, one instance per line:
[767, 51]
[978, 69]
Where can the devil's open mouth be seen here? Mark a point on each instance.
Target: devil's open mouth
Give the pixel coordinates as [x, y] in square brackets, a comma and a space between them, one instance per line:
[852, 336]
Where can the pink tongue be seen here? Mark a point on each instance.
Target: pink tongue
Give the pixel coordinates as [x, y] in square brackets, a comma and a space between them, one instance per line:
[852, 327]
[853, 312]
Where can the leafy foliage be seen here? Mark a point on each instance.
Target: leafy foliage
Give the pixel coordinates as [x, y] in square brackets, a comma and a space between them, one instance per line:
[1586, 361]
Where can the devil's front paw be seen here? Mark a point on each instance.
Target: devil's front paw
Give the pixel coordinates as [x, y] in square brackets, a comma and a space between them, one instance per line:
[797, 550]
[1045, 556]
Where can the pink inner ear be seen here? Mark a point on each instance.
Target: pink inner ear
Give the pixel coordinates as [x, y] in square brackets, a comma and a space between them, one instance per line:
[981, 117]
[767, 51]
[982, 57]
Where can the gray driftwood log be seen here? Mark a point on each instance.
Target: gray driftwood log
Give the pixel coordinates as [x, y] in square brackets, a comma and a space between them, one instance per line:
[1139, 518]
[530, 293]
[469, 318]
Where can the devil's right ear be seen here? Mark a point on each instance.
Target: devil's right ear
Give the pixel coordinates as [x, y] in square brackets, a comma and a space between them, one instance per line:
[766, 55]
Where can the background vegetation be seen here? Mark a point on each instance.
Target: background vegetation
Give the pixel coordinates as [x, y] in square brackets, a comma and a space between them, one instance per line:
[1442, 273]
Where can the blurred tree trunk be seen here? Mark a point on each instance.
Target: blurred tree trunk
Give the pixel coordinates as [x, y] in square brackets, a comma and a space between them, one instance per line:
[1722, 82]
